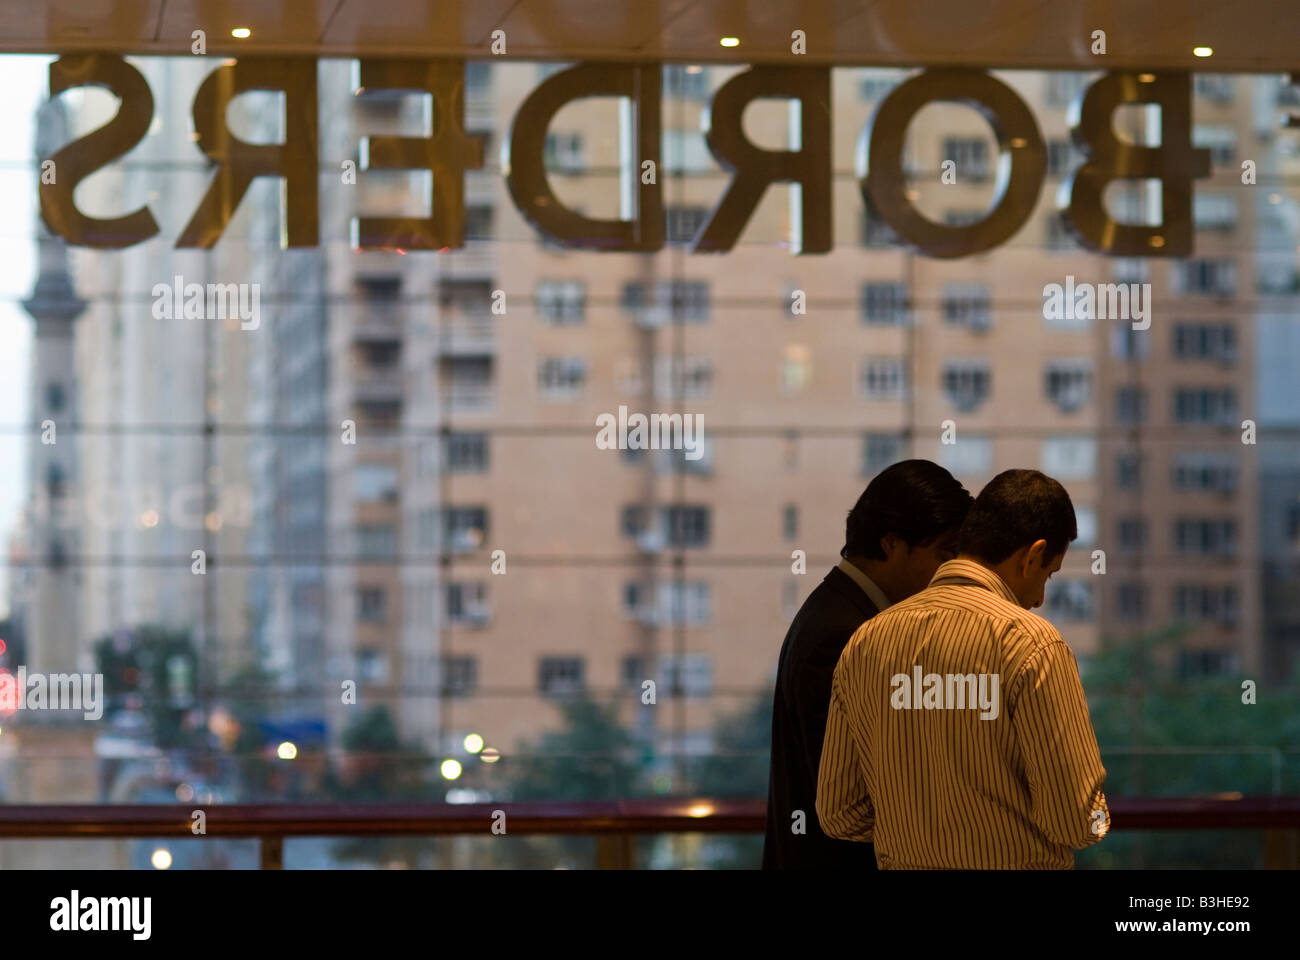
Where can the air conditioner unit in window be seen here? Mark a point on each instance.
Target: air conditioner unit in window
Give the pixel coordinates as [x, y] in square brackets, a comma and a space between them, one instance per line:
[476, 615]
[651, 541]
[465, 541]
[649, 617]
[653, 317]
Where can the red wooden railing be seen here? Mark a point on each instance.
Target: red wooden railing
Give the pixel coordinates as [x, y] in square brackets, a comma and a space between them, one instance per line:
[613, 822]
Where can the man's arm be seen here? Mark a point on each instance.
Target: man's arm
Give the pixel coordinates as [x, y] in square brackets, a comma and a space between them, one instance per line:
[1062, 761]
[844, 807]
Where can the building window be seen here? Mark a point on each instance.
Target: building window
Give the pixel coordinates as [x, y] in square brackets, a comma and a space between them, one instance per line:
[467, 381]
[466, 602]
[1070, 457]
[1069, 383]
[1131, 601]
[963, 218]
[1198, 601]
[687, 526]
[478, 77]
[884, 304]
[1128, 470]
[372, 665]
[967, 305]
[560, 676]
[970, 154]
[1132, 534]
[562, 302]
[1086, 521]
[1206, 341]
[1214, 211]
[561, 378]
[463, 528]
[790, 521]
[1214, 278]
[1220, 141]
[1215, 87]
[677, 526]
[1069, 601]
[688, 674]
[1215, 407]
[685, 151]
[883, 378]
[796, 367]
[1198, 664]
[1214, 472]
[1062, 157]
[54, 397]
[1205, 536]
[375, 482]
[1131, 405]
[372, 605]
[376, 541]
[685, 378]
[459, 675]
[967, 383]
[672, 603]
[876, 83]
[478, 221]
[1058, 235]
[55, 481]
[466, 452]
[1064, 85]
[875, 232]
[880, 450]
[970, 456]
[564, 152]
[682, 224]
[688, 82]
[682, 301]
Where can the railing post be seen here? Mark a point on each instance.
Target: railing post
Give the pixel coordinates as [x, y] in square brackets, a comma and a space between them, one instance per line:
[615, 851]
[272, 852]
[1282, 848]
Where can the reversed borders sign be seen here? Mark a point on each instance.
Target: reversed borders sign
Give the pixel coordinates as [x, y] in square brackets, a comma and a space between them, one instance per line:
[449, 151]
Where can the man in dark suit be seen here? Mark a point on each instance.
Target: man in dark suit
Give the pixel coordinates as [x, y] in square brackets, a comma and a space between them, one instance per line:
[898, 533]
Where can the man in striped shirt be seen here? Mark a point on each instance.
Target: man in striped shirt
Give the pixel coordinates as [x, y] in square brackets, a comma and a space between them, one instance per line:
[958, 734]
[898, 533]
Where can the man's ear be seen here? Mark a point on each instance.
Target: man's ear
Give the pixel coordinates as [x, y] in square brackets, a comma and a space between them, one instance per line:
[1036, 555]
[888, 544]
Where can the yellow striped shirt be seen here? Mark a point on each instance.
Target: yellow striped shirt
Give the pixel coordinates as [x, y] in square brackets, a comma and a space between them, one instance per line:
[1006, 776]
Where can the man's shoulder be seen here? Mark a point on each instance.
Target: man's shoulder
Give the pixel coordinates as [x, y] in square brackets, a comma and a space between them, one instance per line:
[1004, 618]
[823, 624]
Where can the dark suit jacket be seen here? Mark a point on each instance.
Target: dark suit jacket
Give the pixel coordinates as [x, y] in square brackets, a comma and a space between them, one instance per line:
[821, 629]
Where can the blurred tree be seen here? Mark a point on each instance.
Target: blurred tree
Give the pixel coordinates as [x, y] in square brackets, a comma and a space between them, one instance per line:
[1162, 736]
[379, 767]
[591, 758]
[157, 668]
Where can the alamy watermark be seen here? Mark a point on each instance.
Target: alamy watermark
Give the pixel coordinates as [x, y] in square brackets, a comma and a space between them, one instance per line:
[55, 691]
[655, 431]
[1098, 301]
[216, 301]
[946, 691]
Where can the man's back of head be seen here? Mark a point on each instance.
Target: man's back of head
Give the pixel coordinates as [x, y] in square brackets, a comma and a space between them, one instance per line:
[1019, 527]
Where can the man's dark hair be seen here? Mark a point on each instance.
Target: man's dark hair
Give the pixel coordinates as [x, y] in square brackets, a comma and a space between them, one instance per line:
[915, 500]
[1017, 508]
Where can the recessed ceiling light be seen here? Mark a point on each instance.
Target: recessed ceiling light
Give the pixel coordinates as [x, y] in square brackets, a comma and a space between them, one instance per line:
[1203, 51]
[730, 41]
[241, 33]
[1147, 77]
[694, 68]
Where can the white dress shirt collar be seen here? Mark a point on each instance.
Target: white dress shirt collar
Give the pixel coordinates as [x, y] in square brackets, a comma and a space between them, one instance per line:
[876, 595]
